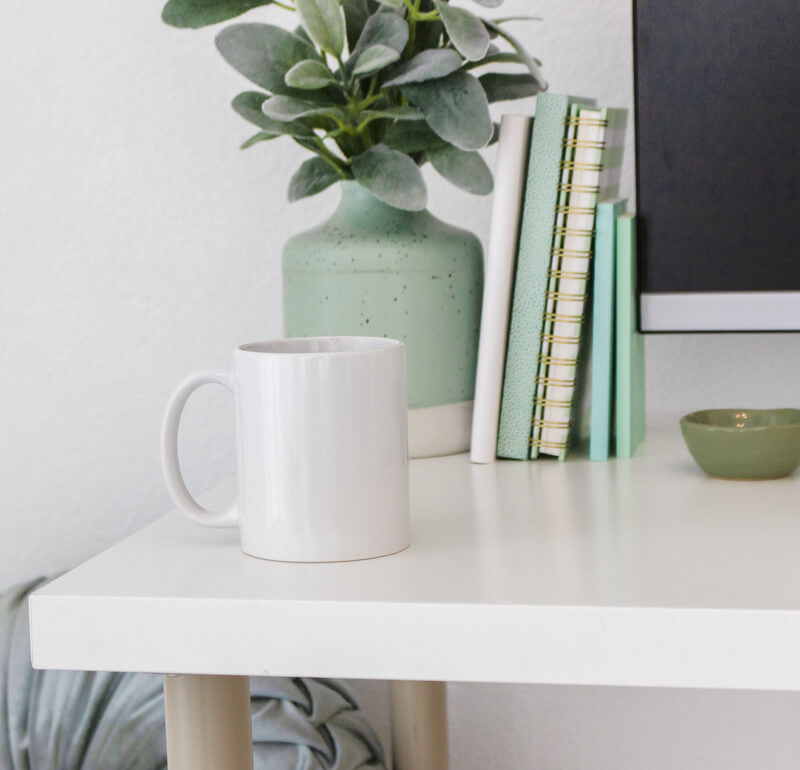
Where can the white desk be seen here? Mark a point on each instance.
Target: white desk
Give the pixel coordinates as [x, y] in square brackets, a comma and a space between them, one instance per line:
[631, 572]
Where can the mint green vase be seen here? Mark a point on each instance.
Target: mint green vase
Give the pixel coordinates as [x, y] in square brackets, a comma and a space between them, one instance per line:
[374, 270]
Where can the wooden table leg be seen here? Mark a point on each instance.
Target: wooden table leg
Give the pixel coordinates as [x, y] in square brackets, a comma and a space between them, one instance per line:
[419, 725]
[208, 722]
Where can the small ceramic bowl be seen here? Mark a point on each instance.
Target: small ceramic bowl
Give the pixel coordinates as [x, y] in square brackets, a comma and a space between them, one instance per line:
[744, 443]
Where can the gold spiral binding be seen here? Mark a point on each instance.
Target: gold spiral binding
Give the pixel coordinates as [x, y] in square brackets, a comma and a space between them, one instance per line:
[579, 188]
[555, 295]
[589, 144]
[572, 165]
[571, 254]
[569, 274]
[587, 210]
[563, 318]
[578, 232]
[554, 403]
[550, 424]
[554, 382]
[552, 361]
[560, 340]
[585, 120]
[548, 444]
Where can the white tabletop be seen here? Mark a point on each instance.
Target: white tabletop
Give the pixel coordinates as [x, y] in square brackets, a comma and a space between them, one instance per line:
[630, 572]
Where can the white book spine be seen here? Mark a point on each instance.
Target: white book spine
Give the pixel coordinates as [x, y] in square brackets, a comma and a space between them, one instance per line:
[512, 154]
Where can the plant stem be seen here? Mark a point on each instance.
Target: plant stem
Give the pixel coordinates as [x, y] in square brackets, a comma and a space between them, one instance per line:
[413, 11]
[370, 98]
[330, 158]
[414, 17]
[364, 123]
[412, 27]
[347, 82]
[415, 14]
[368, 102]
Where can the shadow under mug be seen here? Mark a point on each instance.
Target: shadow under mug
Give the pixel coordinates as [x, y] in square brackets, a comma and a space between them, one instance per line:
[322, 446]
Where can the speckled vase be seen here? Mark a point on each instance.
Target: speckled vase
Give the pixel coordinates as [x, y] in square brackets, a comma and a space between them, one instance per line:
[371, 269]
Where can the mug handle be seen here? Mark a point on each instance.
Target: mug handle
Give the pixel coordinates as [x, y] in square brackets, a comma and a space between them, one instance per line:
[169, 453]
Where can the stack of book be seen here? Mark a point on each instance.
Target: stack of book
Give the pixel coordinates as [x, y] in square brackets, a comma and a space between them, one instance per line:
[561, 256]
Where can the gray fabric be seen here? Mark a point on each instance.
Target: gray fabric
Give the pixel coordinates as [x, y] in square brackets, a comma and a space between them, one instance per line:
[66, 720]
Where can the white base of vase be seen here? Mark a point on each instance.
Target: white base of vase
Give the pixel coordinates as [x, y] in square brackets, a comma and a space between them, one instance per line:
[439, 430]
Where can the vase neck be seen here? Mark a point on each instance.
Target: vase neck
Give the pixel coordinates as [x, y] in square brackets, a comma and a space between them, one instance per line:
[363, 208]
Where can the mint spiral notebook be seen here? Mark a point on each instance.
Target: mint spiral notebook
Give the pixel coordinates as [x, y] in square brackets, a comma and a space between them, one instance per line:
[559, 413]
[603, 331]
[556, 252]
[530, 285]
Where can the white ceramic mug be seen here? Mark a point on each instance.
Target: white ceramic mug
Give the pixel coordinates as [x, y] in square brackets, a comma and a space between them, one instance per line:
[322, 443]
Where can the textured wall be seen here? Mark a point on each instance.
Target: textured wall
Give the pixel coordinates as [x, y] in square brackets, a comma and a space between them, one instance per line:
[137, 244]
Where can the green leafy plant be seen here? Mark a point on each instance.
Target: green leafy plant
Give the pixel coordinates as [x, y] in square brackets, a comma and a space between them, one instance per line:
[374, 88]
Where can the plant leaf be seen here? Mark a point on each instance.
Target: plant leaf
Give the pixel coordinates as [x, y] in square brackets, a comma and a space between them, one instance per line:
[263, 53]
[307, 143]
[300, 31]
[455, 107]
[500, 57]
[323, 21]
[520, 49]
[261, 136]
[426, 65]
[495, 134]
[313, 176]
[467, 31]
[288, 108]
[505, 19]
[395, 113]
[412, 136]
[392, 177]
[489, 3]
[392, 3]
[193, 14]
[248, 105]
[466, 170]
[387, 29]
[309, 75]
[502, 86]
[374, 59]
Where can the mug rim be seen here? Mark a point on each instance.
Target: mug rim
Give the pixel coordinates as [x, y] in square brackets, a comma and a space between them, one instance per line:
[375, 345]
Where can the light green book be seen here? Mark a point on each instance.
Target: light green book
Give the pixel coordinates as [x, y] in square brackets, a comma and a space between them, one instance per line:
[630, 407]
[530, 284]
[603, 331]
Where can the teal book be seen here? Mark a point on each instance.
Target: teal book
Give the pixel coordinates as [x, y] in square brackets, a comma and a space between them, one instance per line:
[629, 406]
[603, 308]
[530, 283]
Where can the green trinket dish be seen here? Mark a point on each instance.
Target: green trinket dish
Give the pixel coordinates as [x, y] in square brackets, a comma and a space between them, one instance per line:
[745, 444]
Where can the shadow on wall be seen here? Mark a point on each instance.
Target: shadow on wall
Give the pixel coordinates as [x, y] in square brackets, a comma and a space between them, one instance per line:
[686, 372]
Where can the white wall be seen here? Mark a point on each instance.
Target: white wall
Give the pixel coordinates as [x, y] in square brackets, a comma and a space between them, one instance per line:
[137, 244]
